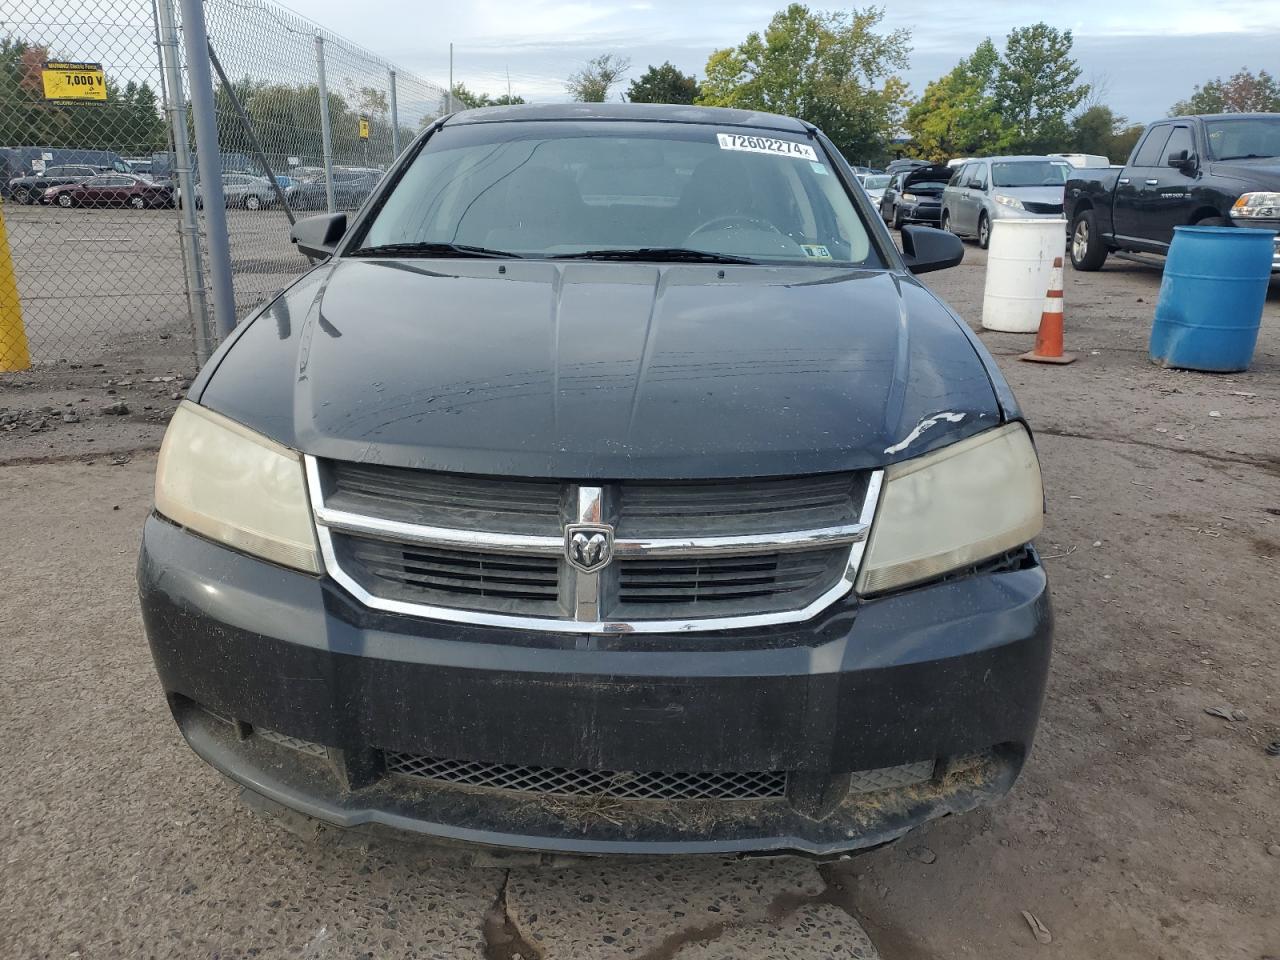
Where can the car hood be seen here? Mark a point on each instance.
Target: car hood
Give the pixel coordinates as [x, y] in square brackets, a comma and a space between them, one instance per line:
[1033, 194]
[598, 370]
[1263, 173]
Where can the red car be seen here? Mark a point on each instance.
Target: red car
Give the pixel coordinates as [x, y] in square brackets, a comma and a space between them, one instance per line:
[111, 190]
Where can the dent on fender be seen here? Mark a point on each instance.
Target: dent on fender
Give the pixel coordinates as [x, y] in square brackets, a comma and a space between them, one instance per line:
[921, 427]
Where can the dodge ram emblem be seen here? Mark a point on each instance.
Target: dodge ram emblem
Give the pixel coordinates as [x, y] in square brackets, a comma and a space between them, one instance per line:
[589, 546]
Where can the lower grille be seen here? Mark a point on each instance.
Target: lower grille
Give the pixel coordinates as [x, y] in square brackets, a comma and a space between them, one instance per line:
[293, 743]
[592, 783]
[1042, 207]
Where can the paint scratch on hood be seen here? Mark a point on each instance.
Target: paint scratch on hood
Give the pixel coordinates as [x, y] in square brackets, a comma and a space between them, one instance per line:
[921, 427]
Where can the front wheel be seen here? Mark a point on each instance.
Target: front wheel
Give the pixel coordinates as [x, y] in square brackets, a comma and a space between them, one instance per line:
[946, 221]
[65, 201]
[138, 203]
[897, 217]
[984, 232]
[251, 202]
[1088, 252]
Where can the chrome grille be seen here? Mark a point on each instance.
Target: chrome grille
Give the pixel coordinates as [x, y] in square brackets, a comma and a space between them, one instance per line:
[474, 580]
[677, 556]
[701, 586]
[592, 783]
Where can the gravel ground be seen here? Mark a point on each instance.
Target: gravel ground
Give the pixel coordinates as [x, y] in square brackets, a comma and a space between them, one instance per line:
[1142, 827]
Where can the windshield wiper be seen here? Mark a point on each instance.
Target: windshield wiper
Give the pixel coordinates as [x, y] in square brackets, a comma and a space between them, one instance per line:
[1249, 156]
[424, 249]
[656, 254]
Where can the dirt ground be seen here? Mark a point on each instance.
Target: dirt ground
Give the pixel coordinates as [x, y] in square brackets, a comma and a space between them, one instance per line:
[1143, 827]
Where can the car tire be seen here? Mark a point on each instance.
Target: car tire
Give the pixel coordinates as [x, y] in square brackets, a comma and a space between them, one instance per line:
[65, 201]
[984, 231]
[32, 197]
[1213, 222]
[897, 217]
[138, 203]
[1088, 252]
[251, 202]
[946, 223]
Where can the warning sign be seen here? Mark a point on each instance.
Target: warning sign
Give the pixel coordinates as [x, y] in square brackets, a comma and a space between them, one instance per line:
[73, 81]
[364, 128]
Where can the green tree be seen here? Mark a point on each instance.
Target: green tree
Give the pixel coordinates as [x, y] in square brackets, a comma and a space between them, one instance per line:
[1037, 87]
[833, 69]
[593, 82]
[471, 100]
[1244, 92]
[958, 114]
[664, 84]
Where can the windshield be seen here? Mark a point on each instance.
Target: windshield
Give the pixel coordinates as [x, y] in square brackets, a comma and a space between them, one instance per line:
[1244, 138]
[562, 189]
[920, 186]
[1030, 173]
[876, 182]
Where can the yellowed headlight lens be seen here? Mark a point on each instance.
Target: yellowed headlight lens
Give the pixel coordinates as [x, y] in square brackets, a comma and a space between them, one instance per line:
[225, 482]
[954, 507]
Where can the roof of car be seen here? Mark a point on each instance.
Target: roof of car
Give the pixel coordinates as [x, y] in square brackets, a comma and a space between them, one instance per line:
[1219, 116]
[652, 112]
[1014, 158]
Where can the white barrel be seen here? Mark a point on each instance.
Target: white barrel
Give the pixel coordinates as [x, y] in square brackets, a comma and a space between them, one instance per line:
[1019, 261]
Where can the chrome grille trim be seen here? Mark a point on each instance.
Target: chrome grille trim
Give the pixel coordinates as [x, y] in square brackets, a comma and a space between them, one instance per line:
[329, 521]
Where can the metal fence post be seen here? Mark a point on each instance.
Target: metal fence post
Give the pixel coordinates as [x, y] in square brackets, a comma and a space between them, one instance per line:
[189, 230]
[205, 118]
[326, 131]
[395, 117]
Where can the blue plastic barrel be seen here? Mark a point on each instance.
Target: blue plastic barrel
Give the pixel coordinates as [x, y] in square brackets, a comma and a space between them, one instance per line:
[1211, 298]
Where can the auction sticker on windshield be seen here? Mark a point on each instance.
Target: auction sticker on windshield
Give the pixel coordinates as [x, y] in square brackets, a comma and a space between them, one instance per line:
[785, 148]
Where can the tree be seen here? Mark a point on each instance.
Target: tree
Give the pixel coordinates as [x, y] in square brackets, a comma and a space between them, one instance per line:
[592, 83]
[833, 69]
[1037, 88]
[471, 100]
[1245, 92]
[664, 84]
[958, 115]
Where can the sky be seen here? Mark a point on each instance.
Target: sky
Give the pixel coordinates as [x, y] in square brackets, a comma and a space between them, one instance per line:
[1145, 54]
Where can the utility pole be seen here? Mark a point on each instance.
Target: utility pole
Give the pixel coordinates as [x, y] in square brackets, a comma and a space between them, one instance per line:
[508, 83]
[451, 78]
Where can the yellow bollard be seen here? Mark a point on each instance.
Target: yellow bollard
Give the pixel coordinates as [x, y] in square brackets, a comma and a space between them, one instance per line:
[13, 338]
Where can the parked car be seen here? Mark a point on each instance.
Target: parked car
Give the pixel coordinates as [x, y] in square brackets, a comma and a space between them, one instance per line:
[242, 190]
[903, 164]
[24, 161]
[350, 189]
[1218, 170]
[874, 184]
[31, 188]
[983, 191]
[630, 468]
[914, 196]
[111, 190]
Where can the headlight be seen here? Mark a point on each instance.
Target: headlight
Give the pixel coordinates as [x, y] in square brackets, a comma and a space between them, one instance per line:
[954, 507]
[1007, 200]
[232, 485]
[910, 197]
[1257, 206]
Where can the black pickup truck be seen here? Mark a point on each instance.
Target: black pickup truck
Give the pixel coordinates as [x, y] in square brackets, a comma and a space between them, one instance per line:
[1210, 170]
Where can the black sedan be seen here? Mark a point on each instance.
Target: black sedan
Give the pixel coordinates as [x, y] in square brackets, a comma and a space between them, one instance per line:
[915, 196]
[30, 189]
[612, 486]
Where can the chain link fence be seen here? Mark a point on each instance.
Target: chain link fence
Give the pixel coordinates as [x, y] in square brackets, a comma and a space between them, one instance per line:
[283, 73]
[95, 250]
[104, 205]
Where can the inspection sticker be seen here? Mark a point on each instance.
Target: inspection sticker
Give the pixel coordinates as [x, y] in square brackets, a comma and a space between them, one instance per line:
[785, 148]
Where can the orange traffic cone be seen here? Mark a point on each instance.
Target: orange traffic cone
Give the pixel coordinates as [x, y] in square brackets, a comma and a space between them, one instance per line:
[1049, 338]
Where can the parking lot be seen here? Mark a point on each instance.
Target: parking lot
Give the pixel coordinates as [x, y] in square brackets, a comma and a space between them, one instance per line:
[1144, 826]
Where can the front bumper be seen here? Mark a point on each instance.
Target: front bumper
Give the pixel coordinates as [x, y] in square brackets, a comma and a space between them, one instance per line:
[284, 683]
[926, 212]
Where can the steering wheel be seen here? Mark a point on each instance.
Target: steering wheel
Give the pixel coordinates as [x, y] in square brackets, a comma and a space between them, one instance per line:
[731, 219]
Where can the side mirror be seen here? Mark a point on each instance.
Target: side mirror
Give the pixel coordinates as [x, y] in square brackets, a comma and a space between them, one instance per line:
[925, 249]
[317, 237]
[1182, 159]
